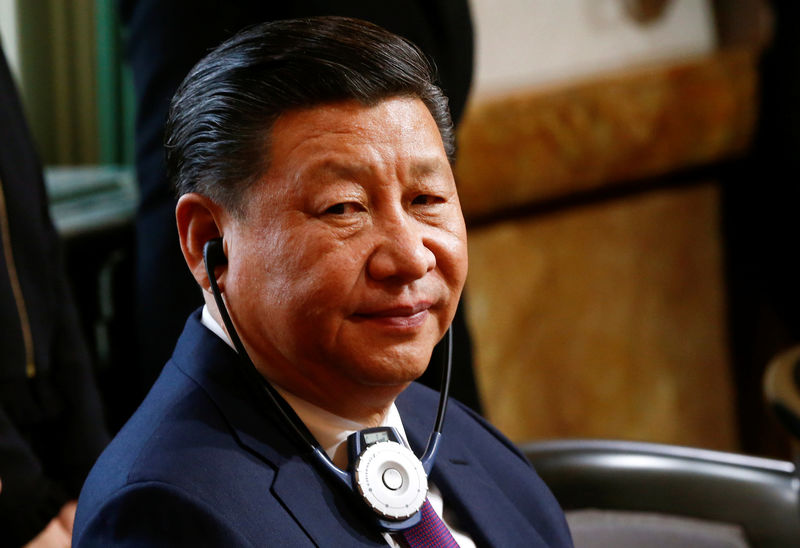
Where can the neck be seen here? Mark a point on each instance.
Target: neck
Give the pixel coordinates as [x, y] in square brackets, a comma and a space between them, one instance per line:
[367, 406]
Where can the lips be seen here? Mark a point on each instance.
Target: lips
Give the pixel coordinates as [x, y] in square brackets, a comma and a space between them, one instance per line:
[396, 316]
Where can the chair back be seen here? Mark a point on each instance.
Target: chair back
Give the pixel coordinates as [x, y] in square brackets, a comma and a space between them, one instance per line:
[688, 488]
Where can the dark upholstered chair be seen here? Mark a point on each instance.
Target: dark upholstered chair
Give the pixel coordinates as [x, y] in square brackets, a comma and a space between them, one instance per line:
[782, 389]
[620, 494]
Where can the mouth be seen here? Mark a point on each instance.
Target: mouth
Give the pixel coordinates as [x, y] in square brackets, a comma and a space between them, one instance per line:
[401, 317]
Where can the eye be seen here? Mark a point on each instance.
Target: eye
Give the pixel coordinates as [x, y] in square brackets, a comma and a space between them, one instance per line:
[343, 208]
[427, 199]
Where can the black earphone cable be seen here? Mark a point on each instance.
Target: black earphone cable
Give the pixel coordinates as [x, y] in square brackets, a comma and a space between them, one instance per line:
[215, 247]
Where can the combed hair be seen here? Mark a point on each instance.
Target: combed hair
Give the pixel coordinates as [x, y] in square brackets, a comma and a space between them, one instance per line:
[220, 119]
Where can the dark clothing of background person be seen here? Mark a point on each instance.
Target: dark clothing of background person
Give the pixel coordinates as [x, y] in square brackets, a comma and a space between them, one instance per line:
[165, 39]
[51, 424]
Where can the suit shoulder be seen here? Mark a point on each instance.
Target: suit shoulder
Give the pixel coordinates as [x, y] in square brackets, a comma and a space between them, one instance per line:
[155, 514]
[498, 469]
[175, 437]
[460, 419]
[468, 415]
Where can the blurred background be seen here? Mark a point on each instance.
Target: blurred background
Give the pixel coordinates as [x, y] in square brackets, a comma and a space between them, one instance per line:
[627, 170]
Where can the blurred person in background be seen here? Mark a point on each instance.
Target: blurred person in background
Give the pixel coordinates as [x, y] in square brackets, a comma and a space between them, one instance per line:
[51, 421]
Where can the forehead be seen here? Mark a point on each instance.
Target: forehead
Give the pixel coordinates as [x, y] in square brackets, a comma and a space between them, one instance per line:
[398, 131]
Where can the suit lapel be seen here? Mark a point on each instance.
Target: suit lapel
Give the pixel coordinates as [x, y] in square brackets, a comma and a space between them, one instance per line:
[323, 510]
[329, 516]
[465, 485]
[465, 489]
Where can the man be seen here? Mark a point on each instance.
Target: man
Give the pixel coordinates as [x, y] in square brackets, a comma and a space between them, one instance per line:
[164, 39]
[319, 151]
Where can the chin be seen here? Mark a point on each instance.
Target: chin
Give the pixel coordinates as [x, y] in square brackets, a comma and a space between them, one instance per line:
[397, 371]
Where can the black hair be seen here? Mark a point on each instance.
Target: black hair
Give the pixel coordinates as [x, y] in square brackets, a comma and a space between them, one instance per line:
[220, 119]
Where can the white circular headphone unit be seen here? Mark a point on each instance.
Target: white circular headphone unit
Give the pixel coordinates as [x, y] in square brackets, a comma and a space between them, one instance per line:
[391, 479]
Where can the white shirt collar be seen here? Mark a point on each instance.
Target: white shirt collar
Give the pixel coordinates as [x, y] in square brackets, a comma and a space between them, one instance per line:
[208, 320]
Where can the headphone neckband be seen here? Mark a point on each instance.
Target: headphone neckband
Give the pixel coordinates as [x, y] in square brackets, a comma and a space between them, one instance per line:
[213, 256]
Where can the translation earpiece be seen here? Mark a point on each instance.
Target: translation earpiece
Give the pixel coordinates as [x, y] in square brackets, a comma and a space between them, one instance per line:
[213, 254]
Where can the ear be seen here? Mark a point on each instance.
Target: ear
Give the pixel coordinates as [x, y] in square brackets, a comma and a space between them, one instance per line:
[199, 220]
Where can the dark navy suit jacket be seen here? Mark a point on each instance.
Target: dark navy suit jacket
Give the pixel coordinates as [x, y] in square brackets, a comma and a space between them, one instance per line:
[204, 462]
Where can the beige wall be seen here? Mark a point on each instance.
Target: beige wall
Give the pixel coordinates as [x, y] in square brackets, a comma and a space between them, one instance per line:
[533, 42]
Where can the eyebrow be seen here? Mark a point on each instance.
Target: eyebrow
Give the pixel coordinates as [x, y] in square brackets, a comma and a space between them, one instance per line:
[340, 168]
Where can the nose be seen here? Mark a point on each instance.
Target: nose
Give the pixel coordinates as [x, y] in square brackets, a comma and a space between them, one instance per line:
[401, 253]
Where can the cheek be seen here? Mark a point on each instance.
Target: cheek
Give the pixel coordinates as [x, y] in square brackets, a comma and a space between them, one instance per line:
[460, 259]
[315, 277]
[261, 277]
[452, 257]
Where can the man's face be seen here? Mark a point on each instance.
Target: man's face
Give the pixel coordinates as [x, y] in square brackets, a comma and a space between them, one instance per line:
[348, 263]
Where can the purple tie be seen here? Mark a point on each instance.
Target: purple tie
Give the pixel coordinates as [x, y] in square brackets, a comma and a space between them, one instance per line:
[431, 532]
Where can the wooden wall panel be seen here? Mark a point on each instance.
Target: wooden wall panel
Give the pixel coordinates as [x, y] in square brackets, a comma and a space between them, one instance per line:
[541, 144]
[605, 320]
